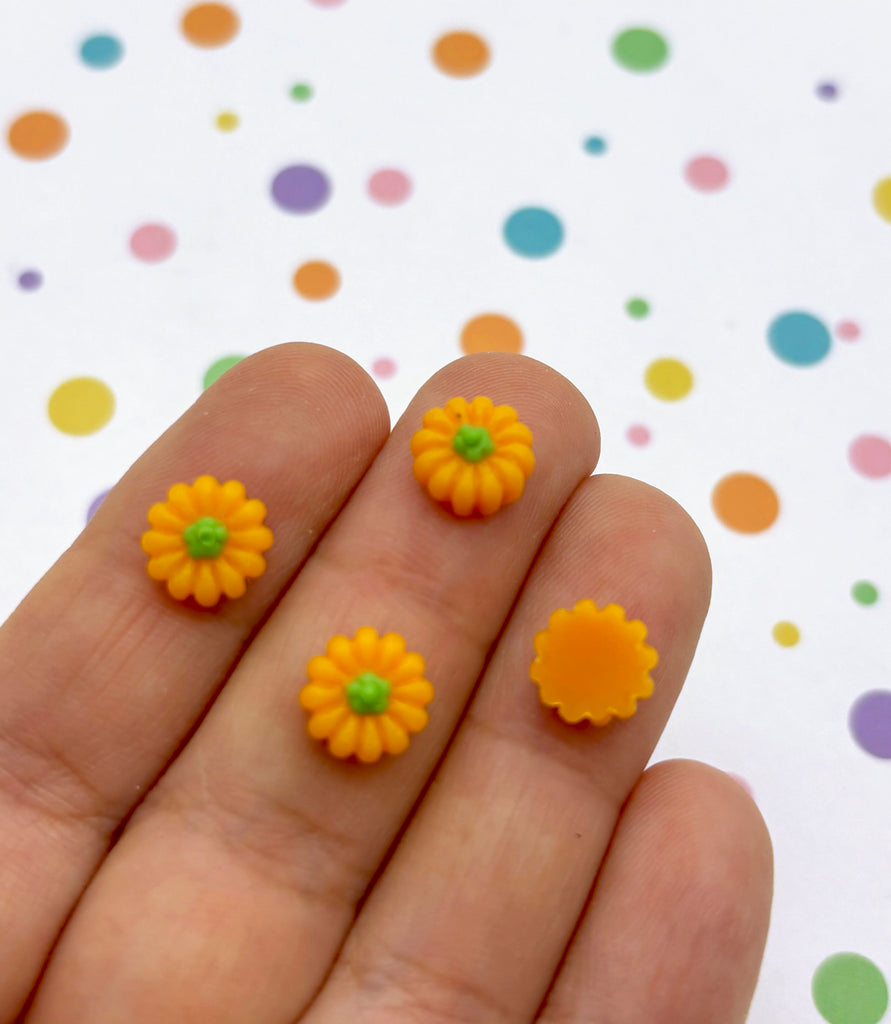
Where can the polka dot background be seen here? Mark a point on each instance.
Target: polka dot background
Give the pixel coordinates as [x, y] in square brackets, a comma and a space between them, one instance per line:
[616, 195]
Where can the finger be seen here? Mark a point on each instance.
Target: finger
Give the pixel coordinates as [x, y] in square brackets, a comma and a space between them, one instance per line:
[239, 877]
[103, 673]
[678, 919]
[474, 911]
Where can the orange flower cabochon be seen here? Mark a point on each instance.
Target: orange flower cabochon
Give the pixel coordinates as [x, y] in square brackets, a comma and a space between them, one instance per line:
[474, 455]
[206, 540]
[593, 663]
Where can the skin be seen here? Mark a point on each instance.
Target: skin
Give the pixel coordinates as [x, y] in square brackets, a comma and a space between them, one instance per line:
[173, 846]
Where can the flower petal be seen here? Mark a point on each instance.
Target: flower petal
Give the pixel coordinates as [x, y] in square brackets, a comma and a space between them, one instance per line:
[393, 735]
[325, 671]
[510, 475]
[456, 409]
[230, 580]
[389, 653]
[343, 740]
[323, 723]
[164, 517]
[165, 566]
[340, 651]
[513, 433]
[248, 563]
[314, 697]
[205, 587]
[155, 543]
[443, 480]
[205, 491]
[179, 585]
[464, 491]
[407, 715]
[519, 454]
[417, 691]
[232, 496]
[410, 668]
[428, 462]
[257, 538]
[365, 647]
[370, 744]
[431, 440]
[502, 417]
[480, 410]
[491, 490]
[181, 500]
[438, 420]
[251, 513]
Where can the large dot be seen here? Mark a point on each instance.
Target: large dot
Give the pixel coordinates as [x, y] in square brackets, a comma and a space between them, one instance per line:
[637, 308]
[389, 187]
[706, 173]
[81, 405]
[227, 121]
[218, 368]
[491, 332]
[30, 280]
[101, 51]
[870, 455]
[799, 338]
[870, 722]
[640, 49]
[152, 243]
[668, 379]
[849, 989]
[595, 145]
[881, 197]
[316, 280]
[210, 24]
[745, 502]
[786, 634]
[301, 188]
[37, 135]
[533, 232]
[461, 54]
[864, 592]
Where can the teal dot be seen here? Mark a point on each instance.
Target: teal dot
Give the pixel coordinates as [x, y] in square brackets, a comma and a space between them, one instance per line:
[864, 592]
[799, 339]
[101, 51]
[849, 989]
[595, 145]
[533, 232]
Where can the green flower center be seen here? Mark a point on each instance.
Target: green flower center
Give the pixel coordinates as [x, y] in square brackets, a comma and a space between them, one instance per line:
[368, 694]
[205, 538]
[473, 443]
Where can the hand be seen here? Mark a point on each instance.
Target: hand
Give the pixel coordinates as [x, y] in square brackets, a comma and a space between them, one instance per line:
[168, 824]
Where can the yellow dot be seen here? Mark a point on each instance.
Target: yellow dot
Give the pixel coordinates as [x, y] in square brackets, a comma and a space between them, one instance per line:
[881, 196]
[786, 634]
[316, 280]
[81, 405]
[491, 332]
[668, 379]
[227, 121]
[460, 54]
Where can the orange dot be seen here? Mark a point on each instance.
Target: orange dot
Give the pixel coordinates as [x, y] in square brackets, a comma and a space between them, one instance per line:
[210, 24]
[745, 502]
[491, 332]
[461, 54]
[316, 280]
[37, 135]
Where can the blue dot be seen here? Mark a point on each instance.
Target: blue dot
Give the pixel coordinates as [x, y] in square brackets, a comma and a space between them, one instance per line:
[799, 339]
[595, 145]
[101, 51]
[533, 232]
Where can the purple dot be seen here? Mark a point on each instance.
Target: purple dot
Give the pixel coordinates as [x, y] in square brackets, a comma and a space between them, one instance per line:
[301, 189]
[827, 91]
[30, 280]
[95, 503]
[870, 722]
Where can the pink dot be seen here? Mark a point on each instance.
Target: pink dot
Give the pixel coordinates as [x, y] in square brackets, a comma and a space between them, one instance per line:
[638, 435]
[706, 173]
[152, 243]
[383, 367]
[871, 456]
[740, 781]
[389, 187]
[327, 3]
[847, 330]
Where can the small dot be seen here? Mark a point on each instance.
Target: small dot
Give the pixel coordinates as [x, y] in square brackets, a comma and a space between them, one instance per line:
[461, 54]
[37, 135]
[637, 308]
[870, 722]
[316, 280]
[101, 51]
[864, 592]
[227, 121]
[706, 174]
[327, 3]
[742, 783]
[786, 634]
[595, 145]
[668, 379]
[81, 405]
[881, 198]
[301, 92]
[152, 243]
[849, 989]
[30, 280]
[384, 367]
[95, 503]
[870, 455]
[827, 91]
[847, 330]
[638, 435]
[491, 332]
[389, 187]
[640, 49]
[301, 189]
[218, 368]
[799, 339]
[210, 25]
[533, 232]
[745, 502]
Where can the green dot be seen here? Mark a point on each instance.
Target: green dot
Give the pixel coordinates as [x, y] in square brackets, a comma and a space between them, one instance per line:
[637, 308]
[864, 592]
[473, 444]
[640, 49]
[368, 694]
[217, 369]
[301, 92]
[849, 989]
[205, 538]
